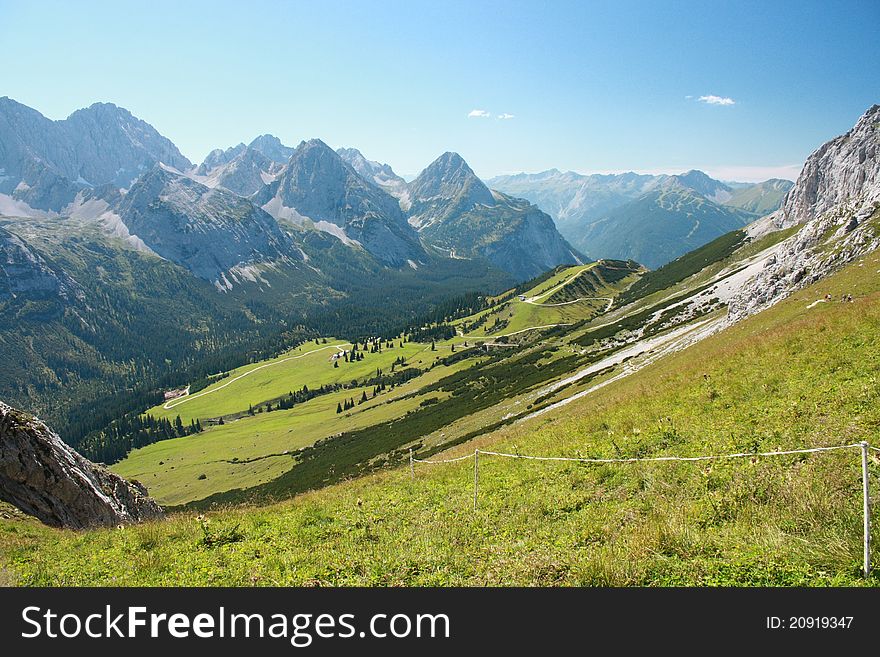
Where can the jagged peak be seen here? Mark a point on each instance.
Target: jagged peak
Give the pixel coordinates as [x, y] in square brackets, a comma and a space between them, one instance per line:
[104, 109]
[267, 137]
[350, 152]
[314, 143]
[451, 161]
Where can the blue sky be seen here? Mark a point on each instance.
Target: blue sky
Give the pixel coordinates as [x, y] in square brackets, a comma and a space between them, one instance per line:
[589, 86]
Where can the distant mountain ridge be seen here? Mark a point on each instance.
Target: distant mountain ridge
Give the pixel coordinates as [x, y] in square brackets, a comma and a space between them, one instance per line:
[376, 172]
[661, 225]
[257, 202]
[364, 203]
[454, 210]
[612, 215]
[45, 163]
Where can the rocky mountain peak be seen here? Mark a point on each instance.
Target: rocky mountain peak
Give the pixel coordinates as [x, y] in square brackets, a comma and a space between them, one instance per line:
[843, 170]
[314, 165]
[47, 163]
[446, 186]
[836, 201]
[271, 147]
[449, 171]
[219, 157]
[701, 183]
[381, 175]
[318, 185]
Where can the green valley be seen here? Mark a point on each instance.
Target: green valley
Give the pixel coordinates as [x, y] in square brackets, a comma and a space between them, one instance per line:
[799, 374]
[258, 441]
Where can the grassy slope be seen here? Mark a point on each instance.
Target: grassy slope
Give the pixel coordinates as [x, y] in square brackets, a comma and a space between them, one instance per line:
[517, 315]
[309, 364]
[789, 377]
[254, 450]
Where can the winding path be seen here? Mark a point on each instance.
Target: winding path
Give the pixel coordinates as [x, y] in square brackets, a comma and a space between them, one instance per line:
[173, 403]
[534, 300]
[565, 303]
[561, 285]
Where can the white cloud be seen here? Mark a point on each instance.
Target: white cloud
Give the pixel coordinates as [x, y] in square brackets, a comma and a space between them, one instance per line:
[716, 100]
[505, 116]
[479, 114]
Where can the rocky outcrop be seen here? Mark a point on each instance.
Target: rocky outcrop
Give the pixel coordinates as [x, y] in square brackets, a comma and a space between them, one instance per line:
[25, 274]
[842, 172]
[45, 478]
[836, 200]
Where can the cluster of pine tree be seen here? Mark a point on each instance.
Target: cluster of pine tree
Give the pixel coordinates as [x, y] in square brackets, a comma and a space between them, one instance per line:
[112, 443]
[432, 333]
[288, 401]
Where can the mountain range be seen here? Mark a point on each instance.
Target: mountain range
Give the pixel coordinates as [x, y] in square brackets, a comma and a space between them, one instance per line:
[101, 165]
[650, 218]
[755, 354]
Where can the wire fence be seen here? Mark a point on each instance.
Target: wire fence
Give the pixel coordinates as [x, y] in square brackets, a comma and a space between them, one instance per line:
[864, 447]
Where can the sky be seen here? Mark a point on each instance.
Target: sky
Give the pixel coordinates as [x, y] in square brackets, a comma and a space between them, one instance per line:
[742, 90]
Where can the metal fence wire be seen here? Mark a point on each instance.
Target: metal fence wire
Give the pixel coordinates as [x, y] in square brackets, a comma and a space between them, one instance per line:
[863, 446]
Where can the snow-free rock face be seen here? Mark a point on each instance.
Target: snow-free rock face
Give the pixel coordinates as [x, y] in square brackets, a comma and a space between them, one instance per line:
[317, 185]
[843, 171]
[245, 174]
[212, 232]
[454, 211]
[26, 276]
[381, 175]
[45, 162]
[268, 147]
[45, 478]
[836, 201]
[271, 147]
[447, 187]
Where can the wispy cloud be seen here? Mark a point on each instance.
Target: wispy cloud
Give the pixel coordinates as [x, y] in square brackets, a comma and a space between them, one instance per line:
[716, 100]
[505, 116]
[479, 114]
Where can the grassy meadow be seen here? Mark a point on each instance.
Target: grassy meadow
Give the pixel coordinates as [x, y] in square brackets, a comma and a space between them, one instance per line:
[248, 451]
[797, 375]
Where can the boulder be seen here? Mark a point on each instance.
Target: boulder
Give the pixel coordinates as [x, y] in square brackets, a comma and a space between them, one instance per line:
[46, 478]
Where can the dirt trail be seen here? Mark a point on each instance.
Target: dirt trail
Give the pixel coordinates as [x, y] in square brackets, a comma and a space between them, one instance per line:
[173, 403]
